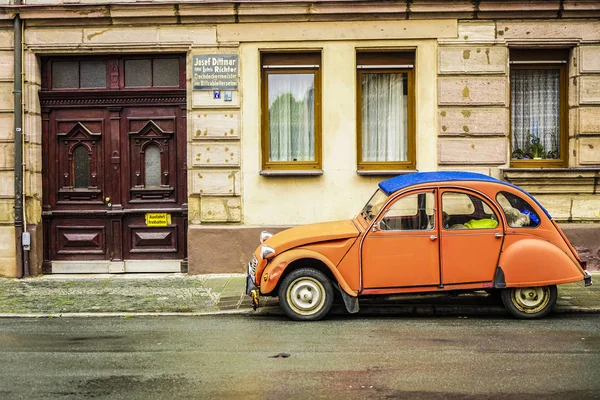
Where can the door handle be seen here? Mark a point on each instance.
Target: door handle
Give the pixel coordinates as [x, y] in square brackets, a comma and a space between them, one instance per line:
[498, 235]
[432, 237]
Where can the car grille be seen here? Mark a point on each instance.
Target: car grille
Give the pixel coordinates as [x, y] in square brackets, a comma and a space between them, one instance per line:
[252, 266]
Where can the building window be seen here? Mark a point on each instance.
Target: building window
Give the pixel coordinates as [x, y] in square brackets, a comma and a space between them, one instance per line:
[386, 137]
[538, 82]
[291, 97]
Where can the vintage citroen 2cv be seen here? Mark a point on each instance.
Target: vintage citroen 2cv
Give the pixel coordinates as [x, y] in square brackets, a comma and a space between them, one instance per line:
[422, 232]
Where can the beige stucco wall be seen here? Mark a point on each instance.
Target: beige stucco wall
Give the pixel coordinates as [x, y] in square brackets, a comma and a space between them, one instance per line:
[340, 191]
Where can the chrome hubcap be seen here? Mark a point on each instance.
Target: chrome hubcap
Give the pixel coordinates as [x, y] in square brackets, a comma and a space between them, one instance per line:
[531, 300]
[306, 296]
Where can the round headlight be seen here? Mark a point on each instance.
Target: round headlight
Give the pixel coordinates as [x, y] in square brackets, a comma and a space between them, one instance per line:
[264, 235]
[266, 251]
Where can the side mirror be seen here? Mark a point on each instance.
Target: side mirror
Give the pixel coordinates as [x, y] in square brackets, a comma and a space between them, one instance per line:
[376, 226]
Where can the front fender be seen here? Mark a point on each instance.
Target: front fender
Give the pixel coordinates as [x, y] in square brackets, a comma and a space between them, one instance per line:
[276, 268]
[533, 261]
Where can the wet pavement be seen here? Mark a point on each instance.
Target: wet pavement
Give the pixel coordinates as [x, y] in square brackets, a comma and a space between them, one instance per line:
[343, 357]
[61, 295]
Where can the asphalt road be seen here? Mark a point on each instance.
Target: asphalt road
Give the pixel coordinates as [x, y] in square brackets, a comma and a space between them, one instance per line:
[236, 357]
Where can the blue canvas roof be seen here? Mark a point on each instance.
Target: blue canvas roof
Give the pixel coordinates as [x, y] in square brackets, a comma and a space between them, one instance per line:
[396, 183]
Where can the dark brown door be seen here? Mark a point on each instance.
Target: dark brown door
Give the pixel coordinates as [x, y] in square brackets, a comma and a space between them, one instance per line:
[111, 160]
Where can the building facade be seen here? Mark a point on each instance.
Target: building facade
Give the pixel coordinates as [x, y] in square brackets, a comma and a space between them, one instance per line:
[165, 136]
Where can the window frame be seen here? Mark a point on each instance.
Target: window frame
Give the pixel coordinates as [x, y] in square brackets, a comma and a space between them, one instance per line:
[386, 67]
[115, 69]
[291, 68]
[485, 201]
[536, 62]
[527, 203]
[417, 193]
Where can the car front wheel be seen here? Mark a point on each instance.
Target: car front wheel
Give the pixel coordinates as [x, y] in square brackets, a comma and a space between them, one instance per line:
[529, 302]
[306, 294]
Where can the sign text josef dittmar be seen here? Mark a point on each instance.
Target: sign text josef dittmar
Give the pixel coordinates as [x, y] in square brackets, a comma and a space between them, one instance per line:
[215, 71]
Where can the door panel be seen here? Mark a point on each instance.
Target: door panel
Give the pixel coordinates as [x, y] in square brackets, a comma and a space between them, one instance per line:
[400, 260]
[72, 131]
[151, 137]
[468, 253]
[81, 238]
[404, 252]
[468, 258]
[142, 241]
[89, 217]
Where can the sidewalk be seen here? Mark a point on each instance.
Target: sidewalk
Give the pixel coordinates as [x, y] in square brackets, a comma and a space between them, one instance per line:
[177, 294]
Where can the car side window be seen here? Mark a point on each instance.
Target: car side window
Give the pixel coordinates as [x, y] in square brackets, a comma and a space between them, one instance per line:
[518, 212]
[412, 212]
[465, 211]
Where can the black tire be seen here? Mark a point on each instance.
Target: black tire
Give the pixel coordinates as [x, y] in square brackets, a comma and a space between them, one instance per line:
[300, 289]
[531, 302]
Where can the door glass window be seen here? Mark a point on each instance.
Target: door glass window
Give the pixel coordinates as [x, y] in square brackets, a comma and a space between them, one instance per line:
[517, 211]
[81, 167]
[152, 164]
[465, 211]
[93, 74]
[65, 75]
[165, 72]
[412, 212]
[138, 73]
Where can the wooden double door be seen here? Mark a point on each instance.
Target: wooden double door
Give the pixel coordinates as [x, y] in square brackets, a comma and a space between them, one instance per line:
[115, 197]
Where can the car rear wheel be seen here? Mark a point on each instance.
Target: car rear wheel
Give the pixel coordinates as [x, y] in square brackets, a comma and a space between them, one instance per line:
[529, 302]
[306, 294]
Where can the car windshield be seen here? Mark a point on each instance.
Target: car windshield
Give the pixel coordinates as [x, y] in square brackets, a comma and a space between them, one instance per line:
[371, 209]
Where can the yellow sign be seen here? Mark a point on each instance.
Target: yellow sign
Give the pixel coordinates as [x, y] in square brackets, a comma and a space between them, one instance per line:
[158, 219]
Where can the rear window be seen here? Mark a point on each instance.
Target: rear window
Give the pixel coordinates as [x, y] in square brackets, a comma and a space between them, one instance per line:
[518, 212]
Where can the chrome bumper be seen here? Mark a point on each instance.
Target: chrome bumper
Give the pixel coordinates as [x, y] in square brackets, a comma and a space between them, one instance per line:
[250, 286]
[587, 280]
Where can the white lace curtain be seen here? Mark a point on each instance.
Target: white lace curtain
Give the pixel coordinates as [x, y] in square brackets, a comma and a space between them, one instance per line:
[535, 113]
[291, 117]
[384, 117]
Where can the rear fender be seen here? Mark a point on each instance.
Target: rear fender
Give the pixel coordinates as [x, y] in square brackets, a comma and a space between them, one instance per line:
[534, 261]
[276, 268]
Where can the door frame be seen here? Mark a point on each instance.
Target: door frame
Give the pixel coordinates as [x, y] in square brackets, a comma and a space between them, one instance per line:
[113, 98]
[392, 200]
[442, 232]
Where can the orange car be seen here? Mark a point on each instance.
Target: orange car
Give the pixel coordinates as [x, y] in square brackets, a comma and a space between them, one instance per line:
[422, 232]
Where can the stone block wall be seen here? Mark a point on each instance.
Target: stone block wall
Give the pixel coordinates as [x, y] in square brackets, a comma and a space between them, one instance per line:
[474, 109]
[473, 98]
[587, 105]
[214, 184]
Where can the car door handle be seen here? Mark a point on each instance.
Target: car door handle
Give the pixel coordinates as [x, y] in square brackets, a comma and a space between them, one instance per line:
[498, 235]
[432, 237]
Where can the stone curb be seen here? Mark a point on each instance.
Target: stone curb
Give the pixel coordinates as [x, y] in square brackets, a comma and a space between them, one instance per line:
[126, 314]
[421, 310]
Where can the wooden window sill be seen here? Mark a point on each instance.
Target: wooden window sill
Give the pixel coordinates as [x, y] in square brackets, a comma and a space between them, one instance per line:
[291, 172]
[385, 172]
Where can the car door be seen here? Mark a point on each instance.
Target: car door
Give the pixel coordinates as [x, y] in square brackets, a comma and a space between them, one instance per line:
[402, 249]
[471, 237]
